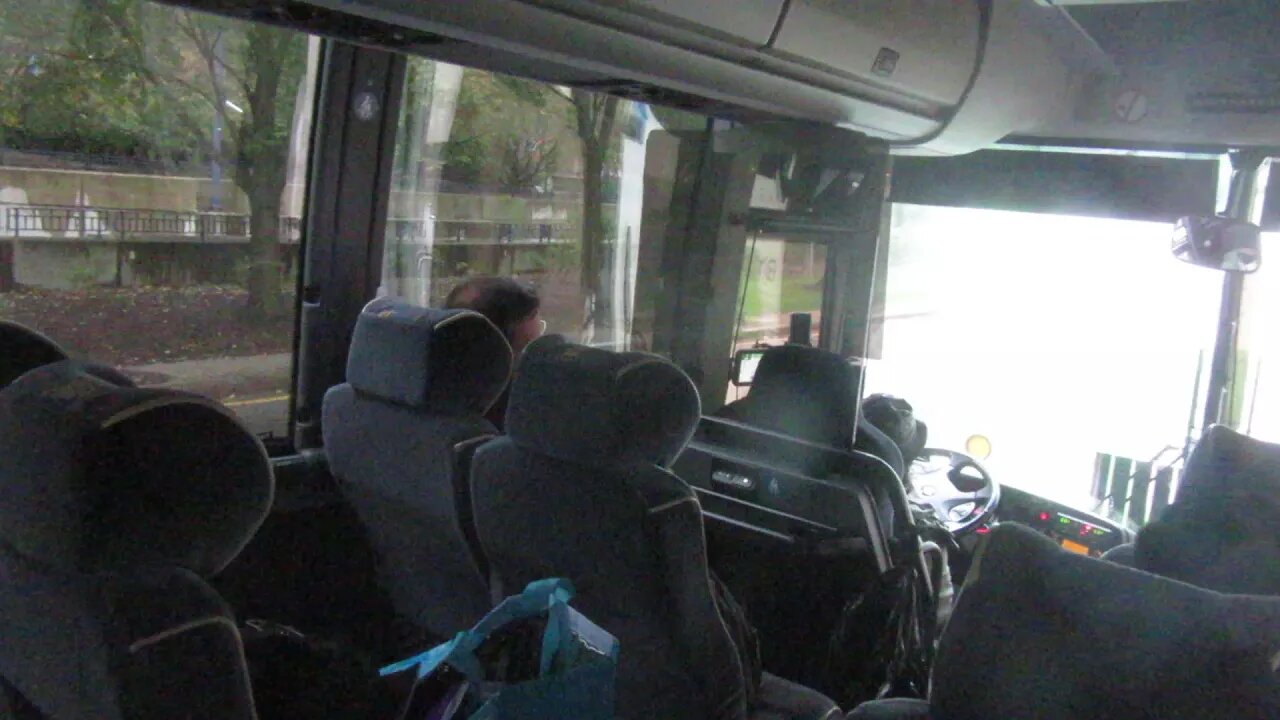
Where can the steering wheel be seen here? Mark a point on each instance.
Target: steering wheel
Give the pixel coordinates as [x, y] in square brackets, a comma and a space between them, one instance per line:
[961, 492]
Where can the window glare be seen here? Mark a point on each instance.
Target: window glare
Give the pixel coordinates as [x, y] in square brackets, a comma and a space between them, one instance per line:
[1057, 337]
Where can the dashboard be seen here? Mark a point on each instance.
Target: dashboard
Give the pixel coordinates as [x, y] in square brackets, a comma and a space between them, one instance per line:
[1073, 529]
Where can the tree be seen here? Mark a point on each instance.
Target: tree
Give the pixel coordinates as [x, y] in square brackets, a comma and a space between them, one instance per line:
[504, 133]
[271, 63]
[527, 162]
[133, 78]
[596, 115]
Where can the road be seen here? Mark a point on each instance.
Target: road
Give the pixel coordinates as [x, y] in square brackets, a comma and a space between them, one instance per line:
[263, 415]
[254, 386]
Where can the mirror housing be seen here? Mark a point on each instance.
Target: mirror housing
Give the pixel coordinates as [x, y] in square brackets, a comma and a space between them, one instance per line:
[1220, 243]
[745, 363]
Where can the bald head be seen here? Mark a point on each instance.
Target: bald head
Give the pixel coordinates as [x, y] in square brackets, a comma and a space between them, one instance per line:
[510, 305]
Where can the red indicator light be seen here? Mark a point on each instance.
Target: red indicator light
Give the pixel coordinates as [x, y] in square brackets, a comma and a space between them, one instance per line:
[1044, 516]
[983, 530]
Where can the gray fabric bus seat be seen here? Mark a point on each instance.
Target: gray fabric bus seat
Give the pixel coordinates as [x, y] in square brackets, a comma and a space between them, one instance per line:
[399, 434]
[1043, 633]
[813, 395]
[115, 504]
[793, 548]
[1223, 531]
[23, 349]
[579, 488]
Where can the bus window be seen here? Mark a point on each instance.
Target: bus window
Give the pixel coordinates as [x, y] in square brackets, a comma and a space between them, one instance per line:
[152, 165]
[496, 175]
[1056, 337]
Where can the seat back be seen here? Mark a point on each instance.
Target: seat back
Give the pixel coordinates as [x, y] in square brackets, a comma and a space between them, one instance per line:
[398, 435]
[1223, 530]
[813, 395]
[579, 489]
[23, 349]
[794, 548]
[115, 504]
[1041, 632]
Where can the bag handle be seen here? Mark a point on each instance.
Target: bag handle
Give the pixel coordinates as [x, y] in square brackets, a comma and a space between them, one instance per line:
[550, 596]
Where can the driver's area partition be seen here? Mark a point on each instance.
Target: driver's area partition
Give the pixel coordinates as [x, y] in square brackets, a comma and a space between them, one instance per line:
[796, 532]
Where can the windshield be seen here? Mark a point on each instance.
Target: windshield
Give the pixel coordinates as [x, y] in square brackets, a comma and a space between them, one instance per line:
[1059, 338]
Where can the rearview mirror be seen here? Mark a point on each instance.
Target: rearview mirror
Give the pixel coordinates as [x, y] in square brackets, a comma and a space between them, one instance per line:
[1219, 243]
[745, 363]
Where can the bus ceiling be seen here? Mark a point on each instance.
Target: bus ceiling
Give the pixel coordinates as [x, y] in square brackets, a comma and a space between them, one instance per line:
[931, 77]
[934, 78]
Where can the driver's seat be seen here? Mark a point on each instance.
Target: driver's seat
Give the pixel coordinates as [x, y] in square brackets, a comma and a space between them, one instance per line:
[813, 395]
[1043, 633]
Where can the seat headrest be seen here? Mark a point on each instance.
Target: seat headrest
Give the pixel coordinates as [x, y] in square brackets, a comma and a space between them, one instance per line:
[446, 361]
[1041, 632]
[95, 476]
[23, 349]
[1226, 461]
[1223, 532]
[807, 393]
[600, 408]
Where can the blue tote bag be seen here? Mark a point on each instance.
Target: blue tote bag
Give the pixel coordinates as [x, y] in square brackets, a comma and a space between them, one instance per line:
[531, 658]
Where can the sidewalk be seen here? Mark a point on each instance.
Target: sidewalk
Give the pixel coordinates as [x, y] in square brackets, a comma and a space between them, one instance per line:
[222, 378]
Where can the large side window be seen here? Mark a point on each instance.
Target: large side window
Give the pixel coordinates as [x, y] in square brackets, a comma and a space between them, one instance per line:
[500, 176]
[152, 164]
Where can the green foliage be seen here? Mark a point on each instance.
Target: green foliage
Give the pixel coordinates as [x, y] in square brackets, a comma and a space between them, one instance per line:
[143, 81]
[78, 78]
[507, 132]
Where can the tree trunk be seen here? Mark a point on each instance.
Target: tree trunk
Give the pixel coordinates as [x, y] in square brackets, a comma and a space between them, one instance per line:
[592, 217]
[263, 281]
[595, 116]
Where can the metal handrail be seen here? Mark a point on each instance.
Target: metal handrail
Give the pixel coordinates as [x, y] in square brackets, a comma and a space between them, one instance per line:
[38, 221]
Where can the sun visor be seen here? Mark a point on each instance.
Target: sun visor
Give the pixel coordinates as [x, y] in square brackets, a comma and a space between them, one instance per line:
[1127, 187]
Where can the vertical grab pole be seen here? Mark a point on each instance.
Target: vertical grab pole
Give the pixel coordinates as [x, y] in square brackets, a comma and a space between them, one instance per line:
[1248, 182]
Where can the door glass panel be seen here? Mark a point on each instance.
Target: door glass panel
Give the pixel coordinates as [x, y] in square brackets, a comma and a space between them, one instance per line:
[152, 165]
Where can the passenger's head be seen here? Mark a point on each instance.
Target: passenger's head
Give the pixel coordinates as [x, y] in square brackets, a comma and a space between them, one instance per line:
[510, 305]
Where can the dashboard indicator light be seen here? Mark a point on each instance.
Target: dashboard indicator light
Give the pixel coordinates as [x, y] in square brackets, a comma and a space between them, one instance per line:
[1044, 516]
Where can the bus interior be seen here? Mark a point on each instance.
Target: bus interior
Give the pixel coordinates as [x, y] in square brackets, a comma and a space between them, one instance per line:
[931, 334]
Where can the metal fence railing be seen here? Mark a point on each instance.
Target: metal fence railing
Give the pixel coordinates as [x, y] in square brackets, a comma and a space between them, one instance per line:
[138, 225]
